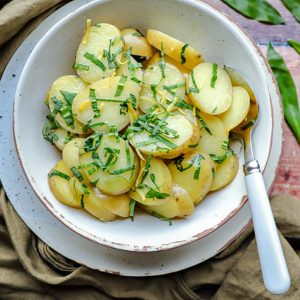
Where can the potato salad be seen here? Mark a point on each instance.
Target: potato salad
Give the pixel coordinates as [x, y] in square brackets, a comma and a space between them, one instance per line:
[144, 124]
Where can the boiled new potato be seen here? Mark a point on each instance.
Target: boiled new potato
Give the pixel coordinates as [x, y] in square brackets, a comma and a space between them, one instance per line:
[94, 205]
[179, 51]
[60, 98]
[112, 167]
[156, 57]
[58, 180]
[138, 45]
[118, 204]
[225, 172]
[71, 151]
[154, 184]
[210, 88]
[214, 136]
[238, 110]
[167, 136]
[163, 85]
[98, 52]
[238, 80]
[58, 136]
[184, 201]
[192, 172]
[167, 210]
[104, 103]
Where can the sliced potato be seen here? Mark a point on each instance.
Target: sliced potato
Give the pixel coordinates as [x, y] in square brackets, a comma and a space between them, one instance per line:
[71, 151]
[186, 55]
[58, 181]
[154, 184]
[62, 92]
[94, 204]
[111, 110]
[156, 57]
[98, 51]
[118, 205]
[210, 88]
[113, 167]
[60, 135]
[238, 80]
[131, 69]
[192, 172]
[167, 210]
[238, 110]
[213, 137]
[155, 93]
[225, 172]
[182, 134]
[184, 201]
[137, 43]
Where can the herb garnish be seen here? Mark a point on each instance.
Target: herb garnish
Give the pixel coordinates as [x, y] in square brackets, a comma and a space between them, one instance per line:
[131, 209]
[77, 174]
[120, 86]
[81, 67]
[194, 88]
[81, 201]
[161, 63]
[182, 56]
[156, 194]
[69, 97]
[60, 174]
[95, 60]
[214, 75]
[156, 215]
[203, 124]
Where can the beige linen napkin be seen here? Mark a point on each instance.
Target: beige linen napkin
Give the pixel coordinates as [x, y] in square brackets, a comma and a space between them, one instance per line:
[29, 269]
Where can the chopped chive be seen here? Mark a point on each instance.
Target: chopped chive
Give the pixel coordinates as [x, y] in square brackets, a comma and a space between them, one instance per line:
[214, 110]
[48, 133]
[127, 150]
[153, 90]
[155, 194]
[158, 216]
[81, 201]
[137, 33]
[198, 166]
[152, 177]
[166, 142]
[76, 173]
[225, 144]
[95, 182]
[135, 79]
[60, 174]
[195, 87]
[131, 209]
[182, 55]
[194, 145]
[81, 67]
[146, 168]
[133, 101]
[183, 104]
[122, 170]
[112, 100]
[92, 142]
[98, 124]
[92, 171]
[57, 106]
[66, 113]
[203, 124]
[174, 86]
[94, 60]
[162, 64]
[214, 75]
[93, 99]
[69, 97]
[145, 143]
[249, 124]
[120, 86]
[213, 172]
[85, 189]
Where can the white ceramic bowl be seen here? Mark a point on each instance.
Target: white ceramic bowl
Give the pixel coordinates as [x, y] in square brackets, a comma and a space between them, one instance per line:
[216, 37]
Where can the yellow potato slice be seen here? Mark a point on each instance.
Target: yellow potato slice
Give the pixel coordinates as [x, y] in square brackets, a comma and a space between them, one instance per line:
[58, 180]
[62, 92]
[161, 89]
[118, 205]
[225, 172]
[179, 51]
[238, 110]
[156, 57]
[214, 136]
[154, 184]
[112, 167]
[184, 201]
[192, 172]
[135, 41]
[167, 210]
[98, 51]
[210, 88]
[61, 136]
[71, 151]
[184, 134]
[238, 80]
[108, 109]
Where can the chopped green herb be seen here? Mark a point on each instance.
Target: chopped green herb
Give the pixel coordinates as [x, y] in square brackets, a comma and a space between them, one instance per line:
[213, 172]
[182, 55]
[66, 113]
[69, 97]
[135, 79]
[116, 100]
[194, 145]
[161, 63]
[249, 124]
[120, 86]
[77, 174]
[82, 201]
[152, 177]
[57, 106]
[48, 133]
[137, 33]
[214, 75]
[85, 189]
[123, 108]
[122, 170]
[153, 90]
[155, 194]
[131, 209]
[214, 110]
[93, 99]
[133, 101]
[60, 174]
[174, 86]
[203, 124]
[92, 142]
[81, 67]
[127, 150]
[145, 143]
[198, 166]
[225, 144]
[146, 168]
[95, 60]
[156, 215]
[195, 88]
[92, 171]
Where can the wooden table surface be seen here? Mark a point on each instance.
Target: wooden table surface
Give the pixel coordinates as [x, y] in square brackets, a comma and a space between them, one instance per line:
[288, 176]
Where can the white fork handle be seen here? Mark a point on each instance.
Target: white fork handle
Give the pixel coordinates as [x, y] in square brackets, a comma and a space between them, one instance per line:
[274, 269]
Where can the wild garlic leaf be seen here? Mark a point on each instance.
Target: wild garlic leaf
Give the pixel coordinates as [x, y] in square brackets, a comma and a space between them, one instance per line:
[287, 90]
[259, 10]
[294, 7]
[295, 45]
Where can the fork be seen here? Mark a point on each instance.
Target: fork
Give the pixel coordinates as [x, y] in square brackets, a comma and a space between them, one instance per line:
[273, 265]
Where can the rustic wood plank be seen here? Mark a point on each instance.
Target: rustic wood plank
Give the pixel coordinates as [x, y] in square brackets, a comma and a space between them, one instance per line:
[288, 177]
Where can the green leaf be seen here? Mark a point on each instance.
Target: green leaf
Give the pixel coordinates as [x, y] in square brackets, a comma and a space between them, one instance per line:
[69, 97]
[294, 7]
[259, 10]
[131, 209]
[295, 45]
[155, 194]
[287, 90]
[59, 174]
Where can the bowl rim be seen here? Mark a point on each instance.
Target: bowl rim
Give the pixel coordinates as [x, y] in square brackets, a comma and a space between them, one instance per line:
[73, 227]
